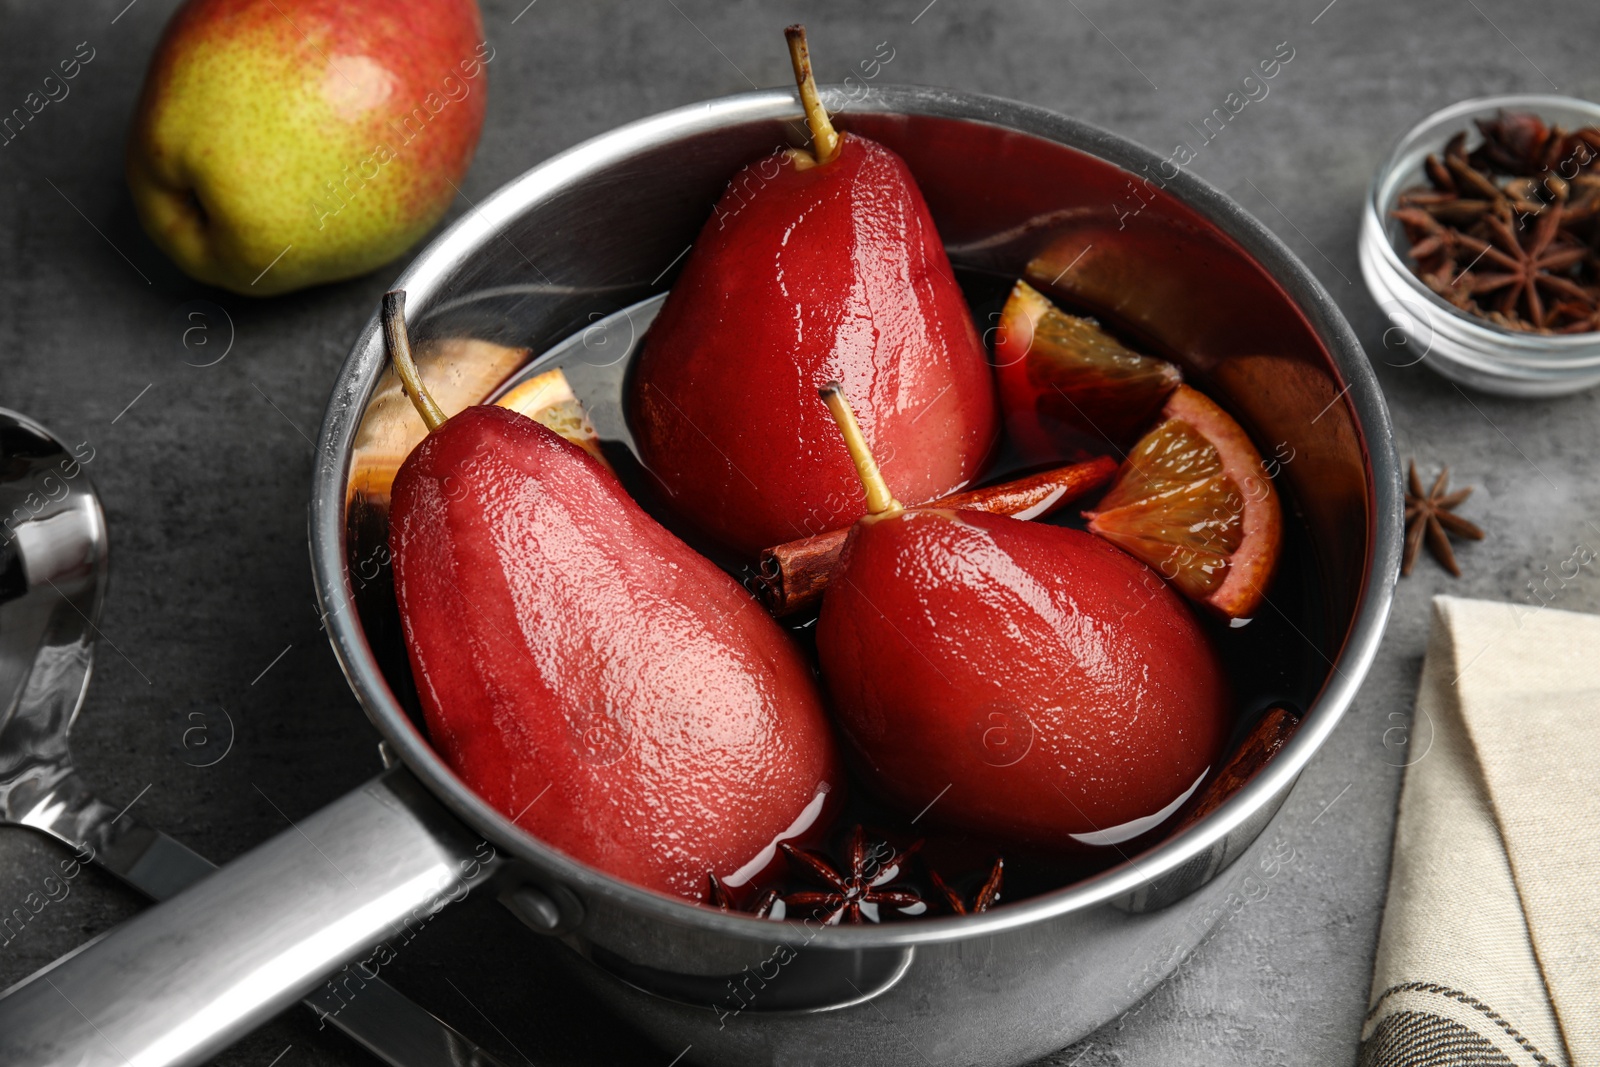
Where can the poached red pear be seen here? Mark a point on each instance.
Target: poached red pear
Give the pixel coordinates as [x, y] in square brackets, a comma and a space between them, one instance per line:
[585, 672]
[1029, 682]
[814, 267]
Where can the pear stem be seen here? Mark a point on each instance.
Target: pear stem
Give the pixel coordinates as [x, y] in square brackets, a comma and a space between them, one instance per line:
[399, 346]
[880, 501]
[823, 135]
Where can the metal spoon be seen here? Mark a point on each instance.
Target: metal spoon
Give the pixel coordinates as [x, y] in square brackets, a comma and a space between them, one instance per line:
[53, 568]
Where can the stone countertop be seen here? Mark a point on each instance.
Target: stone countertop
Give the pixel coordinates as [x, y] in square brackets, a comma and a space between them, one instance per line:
[204, 470]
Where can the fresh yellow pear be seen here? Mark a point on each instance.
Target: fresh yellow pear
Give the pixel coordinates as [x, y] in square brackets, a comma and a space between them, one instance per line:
[285, 143]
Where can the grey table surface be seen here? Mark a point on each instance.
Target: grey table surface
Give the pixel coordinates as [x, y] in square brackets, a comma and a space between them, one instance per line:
[204, 471]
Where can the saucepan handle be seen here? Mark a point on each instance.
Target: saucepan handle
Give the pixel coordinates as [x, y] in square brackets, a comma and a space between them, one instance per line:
[179, 982]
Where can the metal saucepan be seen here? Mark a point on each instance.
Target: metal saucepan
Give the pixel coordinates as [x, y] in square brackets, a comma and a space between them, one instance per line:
[566, 252]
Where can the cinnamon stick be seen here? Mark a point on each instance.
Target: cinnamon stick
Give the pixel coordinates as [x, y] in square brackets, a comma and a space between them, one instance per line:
[793, 575]
[1262, 743]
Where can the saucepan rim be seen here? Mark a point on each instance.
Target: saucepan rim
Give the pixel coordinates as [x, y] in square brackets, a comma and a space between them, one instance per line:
[425, 281]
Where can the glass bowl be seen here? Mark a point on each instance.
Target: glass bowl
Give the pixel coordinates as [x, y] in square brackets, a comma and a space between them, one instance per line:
[1424, 328]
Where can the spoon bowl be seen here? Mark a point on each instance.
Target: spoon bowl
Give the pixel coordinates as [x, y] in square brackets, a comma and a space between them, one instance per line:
[53, 572]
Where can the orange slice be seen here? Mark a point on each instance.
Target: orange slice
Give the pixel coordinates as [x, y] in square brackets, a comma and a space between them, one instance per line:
[548, 399]
[1193, 502]
[460, 371]
[1066, 385]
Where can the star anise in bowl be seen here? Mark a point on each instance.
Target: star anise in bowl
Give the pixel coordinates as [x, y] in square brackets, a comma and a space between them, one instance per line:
[1508, 231]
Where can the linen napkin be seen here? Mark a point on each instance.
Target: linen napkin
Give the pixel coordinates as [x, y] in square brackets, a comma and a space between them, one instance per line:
[1489, 953]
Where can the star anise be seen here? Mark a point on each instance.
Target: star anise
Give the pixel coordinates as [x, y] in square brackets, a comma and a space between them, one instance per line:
[1583, 206]
[1470, 182]
[1439, 175]
[987, 896]
[718, 897]
[1429, 236]
[1510, 232]
[1527, 267]
[1575, 316]
[1517, 142]
[1429, 517]
[1437, 248]
[854, 895]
